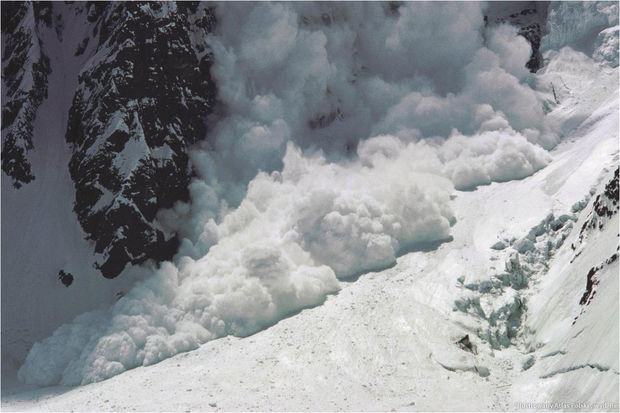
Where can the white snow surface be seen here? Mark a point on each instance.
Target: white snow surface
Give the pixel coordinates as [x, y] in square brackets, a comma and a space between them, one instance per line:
[299, 234]
[371, 345]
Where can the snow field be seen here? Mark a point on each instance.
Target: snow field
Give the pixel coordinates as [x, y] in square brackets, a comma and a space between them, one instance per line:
[328, 215]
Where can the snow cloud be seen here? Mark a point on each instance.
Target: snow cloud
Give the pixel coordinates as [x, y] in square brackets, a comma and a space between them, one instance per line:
[343, 130]
[328, 75]
[296, 232]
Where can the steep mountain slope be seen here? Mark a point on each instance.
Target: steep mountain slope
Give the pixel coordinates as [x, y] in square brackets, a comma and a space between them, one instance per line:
[514, 297]
[115, 94]
[142, 99]
[371, 347]
[79, 82]
[40, 232]
[575, 327]
[25, 69]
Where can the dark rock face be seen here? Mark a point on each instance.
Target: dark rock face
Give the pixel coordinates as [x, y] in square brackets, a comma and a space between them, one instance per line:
[143, 95]
[606, 204]
[533, 34]
[24, 70]
[591, 281]
[142, 99]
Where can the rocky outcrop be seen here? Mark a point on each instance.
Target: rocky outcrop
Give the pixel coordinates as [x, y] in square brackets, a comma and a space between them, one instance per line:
[605, 206]
[142, 99]
[25, 69]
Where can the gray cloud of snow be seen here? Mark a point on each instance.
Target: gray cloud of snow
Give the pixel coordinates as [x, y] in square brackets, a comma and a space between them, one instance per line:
[365, 119]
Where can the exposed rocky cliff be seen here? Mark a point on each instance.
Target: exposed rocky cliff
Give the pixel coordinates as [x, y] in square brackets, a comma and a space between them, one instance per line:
[142, 100]
[24, 74]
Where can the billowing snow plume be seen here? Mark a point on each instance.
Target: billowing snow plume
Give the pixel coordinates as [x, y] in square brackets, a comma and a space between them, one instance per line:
[327, 75]
[295, 232]
[366, 117]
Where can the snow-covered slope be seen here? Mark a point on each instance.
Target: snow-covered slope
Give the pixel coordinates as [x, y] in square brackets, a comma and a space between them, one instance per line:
[573, 317]
[40, 232]
[116, 83]
[499, 276]
[373, 345]
[65, 75]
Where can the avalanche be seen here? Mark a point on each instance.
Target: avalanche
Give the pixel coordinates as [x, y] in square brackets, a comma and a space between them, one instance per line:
[362, 236]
